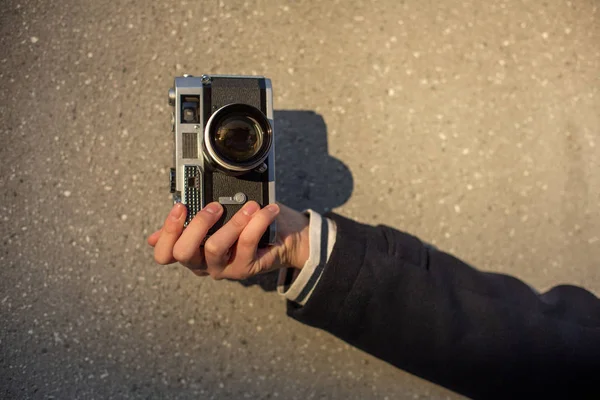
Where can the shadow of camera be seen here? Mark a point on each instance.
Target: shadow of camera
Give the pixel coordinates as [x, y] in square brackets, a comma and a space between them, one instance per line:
[306, 175]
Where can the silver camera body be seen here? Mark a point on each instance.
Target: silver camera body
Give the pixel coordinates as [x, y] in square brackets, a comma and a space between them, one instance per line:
[224, 144]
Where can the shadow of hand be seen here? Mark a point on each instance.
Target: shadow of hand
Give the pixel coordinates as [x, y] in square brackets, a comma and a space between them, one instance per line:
[306, 175]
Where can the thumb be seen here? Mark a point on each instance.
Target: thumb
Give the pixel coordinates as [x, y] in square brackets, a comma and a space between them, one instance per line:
[152, 239]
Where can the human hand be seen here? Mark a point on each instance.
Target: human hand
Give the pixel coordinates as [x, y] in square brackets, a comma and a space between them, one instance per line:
[232, 252]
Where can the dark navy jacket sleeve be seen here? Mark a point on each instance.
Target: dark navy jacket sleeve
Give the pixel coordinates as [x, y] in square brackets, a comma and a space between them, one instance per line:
[483, 335]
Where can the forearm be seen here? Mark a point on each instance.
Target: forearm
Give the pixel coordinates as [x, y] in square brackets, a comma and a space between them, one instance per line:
[432, 315]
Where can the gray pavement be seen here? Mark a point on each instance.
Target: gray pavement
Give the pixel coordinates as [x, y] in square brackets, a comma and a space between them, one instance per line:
[474, 125]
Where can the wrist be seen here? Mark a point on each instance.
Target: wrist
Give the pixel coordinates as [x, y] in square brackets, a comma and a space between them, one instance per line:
[293, 231]
[301, 247]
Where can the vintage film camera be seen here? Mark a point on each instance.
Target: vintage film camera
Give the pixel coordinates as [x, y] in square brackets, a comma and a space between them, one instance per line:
[224, 144]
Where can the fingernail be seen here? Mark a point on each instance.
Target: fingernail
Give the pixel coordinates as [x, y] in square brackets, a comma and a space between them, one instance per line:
[176, 211]
[274, 208]
[213, 208]
[250, 208]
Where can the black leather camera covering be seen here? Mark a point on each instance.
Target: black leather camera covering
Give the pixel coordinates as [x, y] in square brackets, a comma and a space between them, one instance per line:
[221, 92]
[225, 91]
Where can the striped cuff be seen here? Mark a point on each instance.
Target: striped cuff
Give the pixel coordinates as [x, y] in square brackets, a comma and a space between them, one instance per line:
[298, 285]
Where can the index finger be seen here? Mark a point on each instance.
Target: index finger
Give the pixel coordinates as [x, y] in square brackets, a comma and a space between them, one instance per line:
[187, 247]
[163, 251]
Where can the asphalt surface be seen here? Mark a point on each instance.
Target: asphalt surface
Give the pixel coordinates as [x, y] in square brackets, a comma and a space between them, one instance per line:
[474, 125]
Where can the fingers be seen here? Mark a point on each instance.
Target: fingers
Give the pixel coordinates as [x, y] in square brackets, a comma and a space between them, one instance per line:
[248, 241]
[217, 248]
[171, 230]
[187, 249]
[244, 263]
[231, 252]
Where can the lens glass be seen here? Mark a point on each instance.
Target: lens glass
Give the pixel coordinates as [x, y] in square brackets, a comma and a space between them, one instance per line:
[238, 138]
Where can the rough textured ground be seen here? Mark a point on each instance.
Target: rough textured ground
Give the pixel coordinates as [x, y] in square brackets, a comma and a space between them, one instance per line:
[472, 124]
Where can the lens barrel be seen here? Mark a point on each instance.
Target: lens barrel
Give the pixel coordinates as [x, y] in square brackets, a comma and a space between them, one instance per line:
[237, 138]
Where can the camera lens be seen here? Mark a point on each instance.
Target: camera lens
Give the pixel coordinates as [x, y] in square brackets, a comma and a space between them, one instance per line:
[238, 138]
